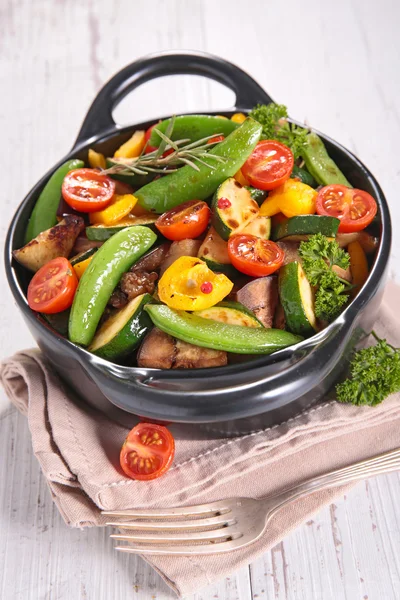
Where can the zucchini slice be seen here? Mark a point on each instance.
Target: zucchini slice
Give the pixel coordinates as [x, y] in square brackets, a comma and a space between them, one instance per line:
[123, 331]
[258, 195]
[100, 233]
[232, 313]
[214, 252]
[82, 256]
[297, 229]
[240, 209]
[297, 299]
[260, 227]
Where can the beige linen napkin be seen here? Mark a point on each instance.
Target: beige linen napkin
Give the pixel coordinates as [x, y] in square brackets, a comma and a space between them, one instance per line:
[78, 451]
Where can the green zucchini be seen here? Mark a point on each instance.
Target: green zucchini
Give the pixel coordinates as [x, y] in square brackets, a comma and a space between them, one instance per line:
[297, 229]
[260, 227]
[133, 179]
[82, 256]
[304, 176]
[297, 300]
[233, 207]
[214, 252]
[258, 195]
[100, 233]
[219, 336]
[99, 280]
[232, 313]
[123, 331]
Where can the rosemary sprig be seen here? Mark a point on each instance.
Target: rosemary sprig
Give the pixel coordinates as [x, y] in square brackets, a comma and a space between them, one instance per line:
[184, 152]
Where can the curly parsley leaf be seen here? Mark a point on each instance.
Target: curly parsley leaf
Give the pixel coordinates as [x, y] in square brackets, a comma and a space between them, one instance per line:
[319, 255]
[375, 374]
[273, 118]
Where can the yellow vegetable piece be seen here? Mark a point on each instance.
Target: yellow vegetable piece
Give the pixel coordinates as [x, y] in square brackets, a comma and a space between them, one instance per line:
[181, 285]
[81, 267]
[119, 208]
[294, 198]
[269, 207]
[96, 159]
[238, 118]
[222, 117]
[358, 266]
[132, 147]
[240, 178]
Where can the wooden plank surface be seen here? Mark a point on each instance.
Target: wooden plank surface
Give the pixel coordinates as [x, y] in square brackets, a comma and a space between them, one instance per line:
[336, 65]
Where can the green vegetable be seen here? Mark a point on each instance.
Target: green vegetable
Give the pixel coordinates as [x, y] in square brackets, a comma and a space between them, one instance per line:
[319, 255]
[214, 252]
[123, 331]
[100, 233]
[133, 179]
[257, 195]
[82, 256]
[297, 299]
[44, 214]
[375, 374]
[219, 336]
[58, 321]
[304, 176]
[319, 163]
[187, 183]
[233, 313]
[273, 118]
[97, 283]
[241, 210]
[193, 127]
[260, 227]
[299, 228]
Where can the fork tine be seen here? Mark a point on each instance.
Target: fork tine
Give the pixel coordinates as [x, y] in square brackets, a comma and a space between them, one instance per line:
[191, 524]
[223, 533]
[186, 550]
[208, 510]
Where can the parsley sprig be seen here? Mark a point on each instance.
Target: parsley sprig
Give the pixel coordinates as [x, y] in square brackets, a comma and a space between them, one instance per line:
[273, 118]
[319, 255]
[375, 374]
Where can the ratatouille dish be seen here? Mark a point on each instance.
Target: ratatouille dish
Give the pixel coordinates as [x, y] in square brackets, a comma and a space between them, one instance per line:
[201, 238]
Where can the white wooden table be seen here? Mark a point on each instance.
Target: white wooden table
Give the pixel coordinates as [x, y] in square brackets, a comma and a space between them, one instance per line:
[336, 65]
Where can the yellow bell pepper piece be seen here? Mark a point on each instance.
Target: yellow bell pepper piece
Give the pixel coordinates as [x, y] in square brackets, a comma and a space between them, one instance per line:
[132, 147]
[240, 178]
[222, 117]
[96, 159]
[81, 267]
[188, 284]
[119, 208]
[238, 118]
[358, 266]
[294, 198]
[269, 208]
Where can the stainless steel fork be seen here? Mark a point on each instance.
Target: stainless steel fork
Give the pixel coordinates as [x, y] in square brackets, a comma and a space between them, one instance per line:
[226, 524]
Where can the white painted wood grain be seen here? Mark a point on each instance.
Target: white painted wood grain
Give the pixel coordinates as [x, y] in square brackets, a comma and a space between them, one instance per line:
[334, 64]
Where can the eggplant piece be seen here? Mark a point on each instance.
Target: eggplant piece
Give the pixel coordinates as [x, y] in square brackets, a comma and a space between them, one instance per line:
[52, 243]
[291, 250]
[368, 242]
[343, 273]
[161, 351]
[82, 244]
[178, 249]
[261, 297]
[153, 260]
[279, 317]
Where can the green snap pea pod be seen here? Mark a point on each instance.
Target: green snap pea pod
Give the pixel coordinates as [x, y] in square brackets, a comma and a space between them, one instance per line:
[187, 183]
[97, 283]
[44, 214]
[304, 176]
[320, 164]
[217, 335]
[194, 127]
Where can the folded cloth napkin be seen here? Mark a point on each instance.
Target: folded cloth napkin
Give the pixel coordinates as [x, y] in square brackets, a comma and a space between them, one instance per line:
[78, 451]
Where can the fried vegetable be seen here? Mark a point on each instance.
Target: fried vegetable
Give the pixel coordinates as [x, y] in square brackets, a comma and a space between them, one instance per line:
[52, 243]
[260, 296]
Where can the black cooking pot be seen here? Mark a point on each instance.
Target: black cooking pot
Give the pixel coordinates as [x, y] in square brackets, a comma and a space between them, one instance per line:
[231, 399]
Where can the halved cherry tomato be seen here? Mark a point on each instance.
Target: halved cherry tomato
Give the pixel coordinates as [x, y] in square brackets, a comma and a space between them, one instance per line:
[269, 165]
[53, 287]
[87, 190]
[215, 139]
[355, 208]
[186, 221]
[147, 452]
[254, 256]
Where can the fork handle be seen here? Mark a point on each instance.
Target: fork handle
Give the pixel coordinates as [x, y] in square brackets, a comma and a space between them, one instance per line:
[384, 463]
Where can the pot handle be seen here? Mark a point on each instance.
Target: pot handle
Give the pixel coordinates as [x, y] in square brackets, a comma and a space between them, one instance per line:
[99, 116]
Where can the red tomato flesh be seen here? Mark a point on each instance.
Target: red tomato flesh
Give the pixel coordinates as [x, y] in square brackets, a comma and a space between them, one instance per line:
[53, 287]
[355, 208]
[215, 139]
[147, 452]
[254, 256]
[146, 140]
[186, 221]
[269, 165]
[87, 190]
